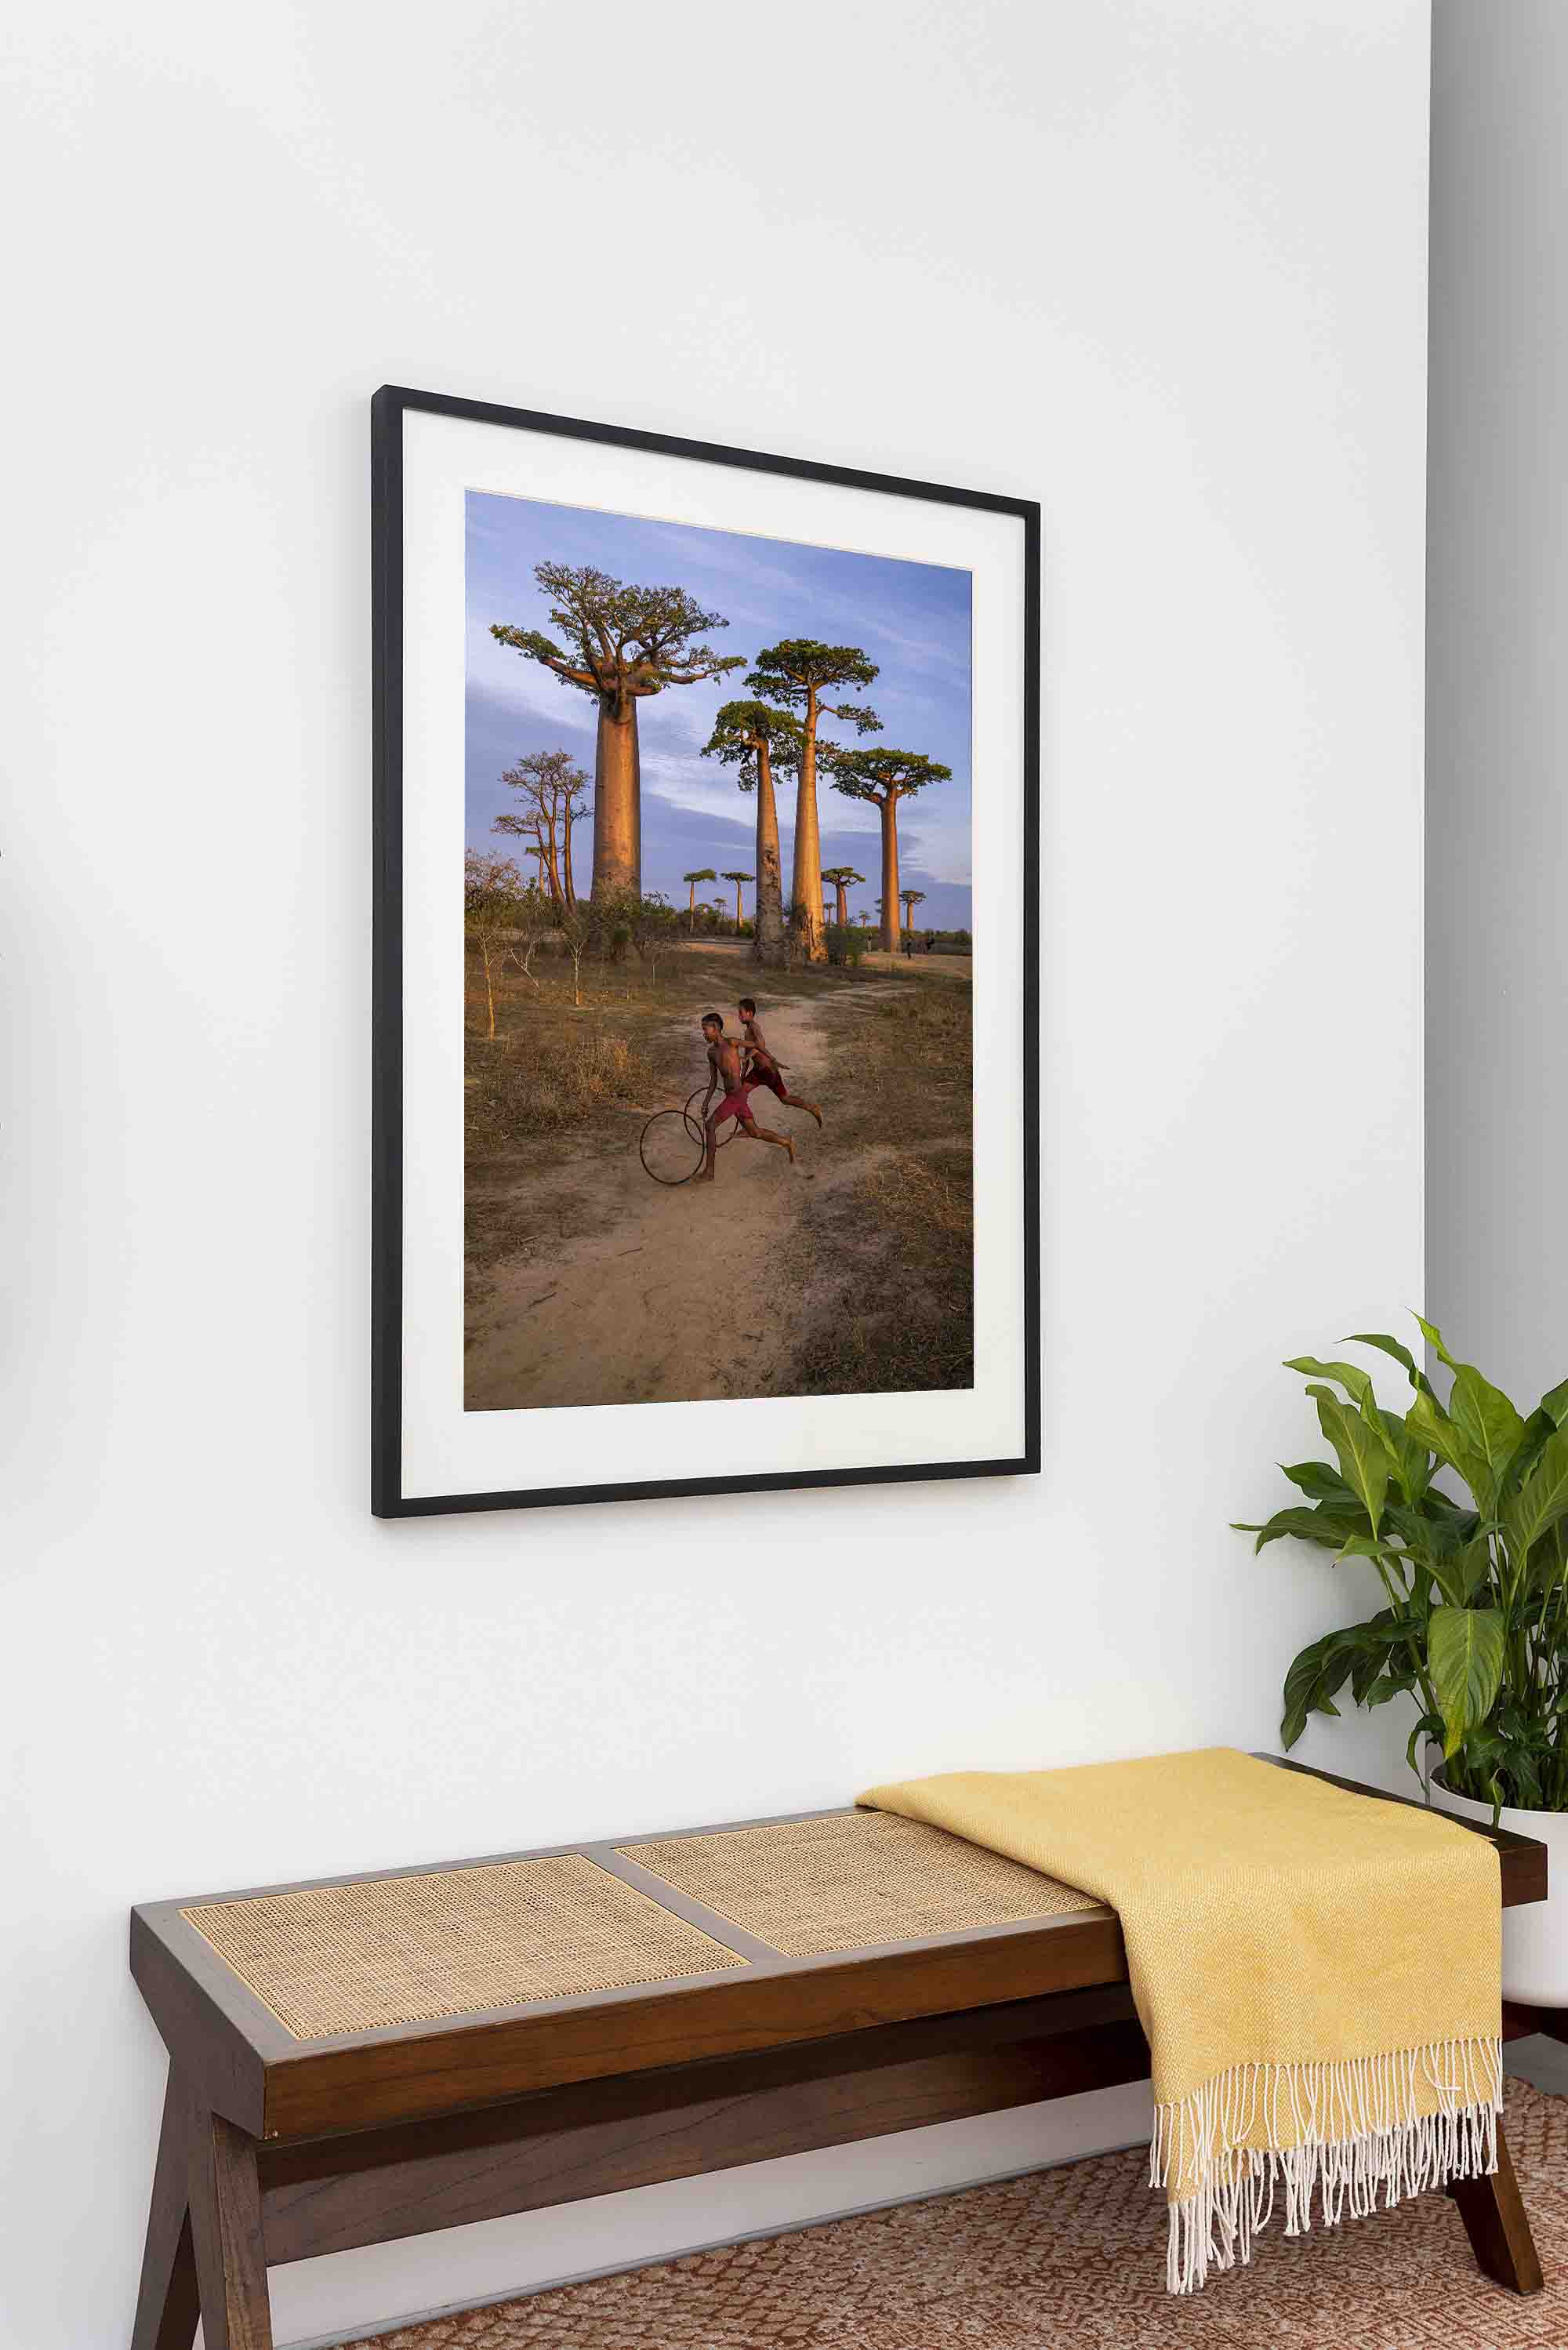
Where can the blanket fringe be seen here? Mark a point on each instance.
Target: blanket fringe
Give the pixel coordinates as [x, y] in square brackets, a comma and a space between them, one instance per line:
[1346, 2133]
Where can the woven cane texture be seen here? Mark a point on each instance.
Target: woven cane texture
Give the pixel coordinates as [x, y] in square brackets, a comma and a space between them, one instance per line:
[852, 1881]
[1066, 2260]
[412, 1950]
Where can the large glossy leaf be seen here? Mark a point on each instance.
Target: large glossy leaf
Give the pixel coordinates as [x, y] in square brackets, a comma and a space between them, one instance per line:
[1315, 1677]
[1464, 1652]
[1486, 1419]
[1555, 1404]
[1542, 1501]
[1401, 1355]
[1360, 1449]
[1430, 1423]
[1350, 1377]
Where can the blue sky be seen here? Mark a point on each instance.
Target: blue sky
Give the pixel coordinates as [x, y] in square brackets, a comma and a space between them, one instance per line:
[911, 619]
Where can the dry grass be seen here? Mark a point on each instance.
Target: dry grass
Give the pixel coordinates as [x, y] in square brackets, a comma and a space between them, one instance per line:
[891, 1255]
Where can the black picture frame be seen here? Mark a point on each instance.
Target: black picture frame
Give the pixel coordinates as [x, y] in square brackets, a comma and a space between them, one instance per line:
[392, 403]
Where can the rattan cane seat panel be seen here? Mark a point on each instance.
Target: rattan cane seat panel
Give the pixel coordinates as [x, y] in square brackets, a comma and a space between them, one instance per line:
[851, 1881]
[339, 1959]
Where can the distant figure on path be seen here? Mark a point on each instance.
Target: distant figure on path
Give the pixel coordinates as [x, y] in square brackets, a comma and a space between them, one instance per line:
[724, 1067]
[762, 1066]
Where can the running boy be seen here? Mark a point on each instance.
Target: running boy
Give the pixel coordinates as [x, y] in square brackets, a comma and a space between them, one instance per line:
[725, 1071]
[764, 1069]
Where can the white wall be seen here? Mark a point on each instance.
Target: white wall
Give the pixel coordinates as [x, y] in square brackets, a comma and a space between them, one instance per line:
[1497, 691]
[1160, 265]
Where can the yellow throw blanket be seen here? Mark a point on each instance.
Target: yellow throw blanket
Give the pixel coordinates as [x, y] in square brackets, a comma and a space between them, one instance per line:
[1318, 1975]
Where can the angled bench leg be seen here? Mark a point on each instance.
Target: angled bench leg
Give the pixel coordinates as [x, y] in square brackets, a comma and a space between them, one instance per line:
[167, 2306]
[1496, 2223]
[226, 2233]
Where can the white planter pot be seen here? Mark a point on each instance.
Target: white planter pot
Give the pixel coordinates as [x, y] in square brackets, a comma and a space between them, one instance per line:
[1534, 1934]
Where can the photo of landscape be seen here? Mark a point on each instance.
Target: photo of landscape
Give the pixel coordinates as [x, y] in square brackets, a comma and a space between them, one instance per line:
[718, 937]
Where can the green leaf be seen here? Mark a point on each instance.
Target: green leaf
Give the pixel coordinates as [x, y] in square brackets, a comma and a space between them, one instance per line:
[1429, 1421]
[1540, 1501]
[1434, 1339]
[1354, 1381]
[1360, 1448]
[1555, 1406]
[1314, 1678]
[1412, 1459]
[1362, 1547]
[1486, 1419]
[1472, 1566]
[1320, 1482]
[1326, 1528]
[1401, 1355]
[1464, 1650]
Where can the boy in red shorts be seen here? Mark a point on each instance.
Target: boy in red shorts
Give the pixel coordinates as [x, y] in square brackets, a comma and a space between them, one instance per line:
[763, 1068]
[725, 1074]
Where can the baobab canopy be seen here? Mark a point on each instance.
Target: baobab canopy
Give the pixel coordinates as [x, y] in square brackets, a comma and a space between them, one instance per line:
[625, 643]
[798, 673]
[885, 777]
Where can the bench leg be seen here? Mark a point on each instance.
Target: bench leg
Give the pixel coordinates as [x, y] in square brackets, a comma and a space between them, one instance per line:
[226, 2233]
[1495, 2221]
[167, 2306]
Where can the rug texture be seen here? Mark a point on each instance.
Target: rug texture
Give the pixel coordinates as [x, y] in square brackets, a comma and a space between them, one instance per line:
[1344, 2047]
[1066, 2260]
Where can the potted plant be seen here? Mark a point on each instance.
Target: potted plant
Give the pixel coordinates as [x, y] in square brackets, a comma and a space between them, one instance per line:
[1461, 1509]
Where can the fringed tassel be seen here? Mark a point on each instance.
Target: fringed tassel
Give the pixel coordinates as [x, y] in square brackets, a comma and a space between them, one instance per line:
[1353, 2132]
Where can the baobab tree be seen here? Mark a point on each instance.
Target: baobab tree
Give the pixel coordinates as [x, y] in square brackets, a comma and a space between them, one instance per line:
[841, 877]
[797, 674]
[492, 889]
[909, 900]
[551, 786]
[702, 873]
[757, 739]
[739, 879]
[885, 778]
[625, 644]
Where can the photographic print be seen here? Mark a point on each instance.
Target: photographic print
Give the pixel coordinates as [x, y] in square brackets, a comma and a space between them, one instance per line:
[691, 766]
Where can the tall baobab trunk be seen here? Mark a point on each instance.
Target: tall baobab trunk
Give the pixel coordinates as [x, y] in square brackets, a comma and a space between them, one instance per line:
[890, 807]
[807, 885]
[768, 942]
[740, 915]
[617, 797]
[567, 875]
[840, 889]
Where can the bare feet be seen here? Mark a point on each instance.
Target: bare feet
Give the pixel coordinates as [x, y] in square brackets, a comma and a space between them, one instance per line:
[790, 1148]
[706, 1176]
[814, 1111]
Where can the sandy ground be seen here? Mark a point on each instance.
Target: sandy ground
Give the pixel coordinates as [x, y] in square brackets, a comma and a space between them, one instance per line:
[675, 1294]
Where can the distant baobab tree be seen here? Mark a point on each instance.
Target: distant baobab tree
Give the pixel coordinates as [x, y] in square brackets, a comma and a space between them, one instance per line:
[885, 778]
[909, 900]
[492, 889]
[797, 674]
[739, 879]
[625, 643]
[702, 873]
[551, 786]
[842, 876]
[758, 740]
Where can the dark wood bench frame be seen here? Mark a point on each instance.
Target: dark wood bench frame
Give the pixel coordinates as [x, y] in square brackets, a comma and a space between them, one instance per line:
[273, 2149]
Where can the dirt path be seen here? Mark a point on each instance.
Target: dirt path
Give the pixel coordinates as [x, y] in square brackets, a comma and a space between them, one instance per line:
[674, 1296]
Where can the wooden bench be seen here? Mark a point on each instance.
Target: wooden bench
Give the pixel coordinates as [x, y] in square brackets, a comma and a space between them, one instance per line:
[365, 2058]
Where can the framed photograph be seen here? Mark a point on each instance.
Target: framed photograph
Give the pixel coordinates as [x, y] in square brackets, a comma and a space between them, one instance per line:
[706, 809]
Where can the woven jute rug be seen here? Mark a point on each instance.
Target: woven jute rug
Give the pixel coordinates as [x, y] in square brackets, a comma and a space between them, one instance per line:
[852, 1880]
[1068, 2260]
